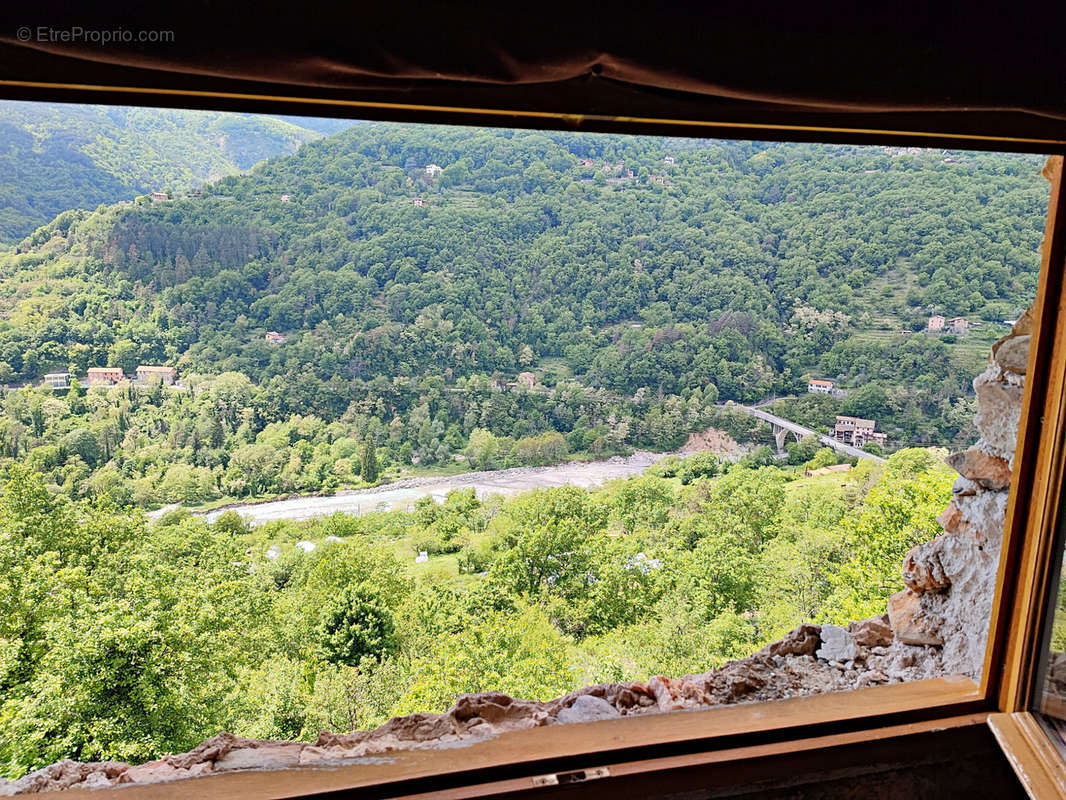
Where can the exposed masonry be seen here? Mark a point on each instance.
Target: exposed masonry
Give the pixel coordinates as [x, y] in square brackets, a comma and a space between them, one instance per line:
[937, 626]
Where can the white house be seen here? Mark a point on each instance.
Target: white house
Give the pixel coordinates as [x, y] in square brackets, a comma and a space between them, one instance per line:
[817, 386]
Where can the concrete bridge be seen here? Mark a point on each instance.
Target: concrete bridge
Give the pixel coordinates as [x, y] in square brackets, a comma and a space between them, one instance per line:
[783, 427]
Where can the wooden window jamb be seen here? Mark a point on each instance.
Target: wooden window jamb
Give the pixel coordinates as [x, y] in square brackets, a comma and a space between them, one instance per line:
[1025, 565]
[1034, 759]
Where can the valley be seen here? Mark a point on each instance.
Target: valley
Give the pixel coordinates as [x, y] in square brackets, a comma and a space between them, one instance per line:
[306, 425]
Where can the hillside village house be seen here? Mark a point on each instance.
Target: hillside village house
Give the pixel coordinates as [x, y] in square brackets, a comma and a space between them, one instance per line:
[959, 325]
[856, 431]
[159, 197]
[274, 337]
[420, 202]
[818, 386]
[285, 198]
[104, 376]
[527, 380]
[152, 374]
[433, 170]
[57, 380]
[935, 323]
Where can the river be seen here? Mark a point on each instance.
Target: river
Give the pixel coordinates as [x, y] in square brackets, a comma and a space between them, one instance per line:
[402, 494]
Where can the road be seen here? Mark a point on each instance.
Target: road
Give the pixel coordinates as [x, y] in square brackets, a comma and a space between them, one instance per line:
[402, 494]
[792, 427]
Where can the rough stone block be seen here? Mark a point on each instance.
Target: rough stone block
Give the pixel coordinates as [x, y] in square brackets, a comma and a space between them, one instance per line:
[152, 772]
[922, 570]
[276, 755]
[950, 518]
[1012, 353]
[587, 708]
[837, 644]
[988, 472]
[999, 409]
[872, 632]
[801, 641]
[908, 622]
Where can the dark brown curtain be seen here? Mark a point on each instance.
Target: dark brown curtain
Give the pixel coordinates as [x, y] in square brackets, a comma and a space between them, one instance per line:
[938, 67]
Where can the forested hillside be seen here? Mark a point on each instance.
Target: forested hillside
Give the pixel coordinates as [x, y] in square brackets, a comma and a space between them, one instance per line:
[55, 157]
[640, 281]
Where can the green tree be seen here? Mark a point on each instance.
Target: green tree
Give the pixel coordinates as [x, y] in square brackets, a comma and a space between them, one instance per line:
[84, 444]
[356, 625]
[368, 463]
[643, 502]
[802, 451]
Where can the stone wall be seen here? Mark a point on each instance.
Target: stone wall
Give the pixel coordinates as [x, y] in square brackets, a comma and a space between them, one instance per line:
[951, 580]
[937, 626]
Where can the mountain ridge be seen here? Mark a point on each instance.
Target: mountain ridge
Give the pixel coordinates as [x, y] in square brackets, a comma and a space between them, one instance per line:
[96, 155]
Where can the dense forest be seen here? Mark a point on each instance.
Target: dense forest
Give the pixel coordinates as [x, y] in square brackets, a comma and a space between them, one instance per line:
[55, 157]
[640, 281]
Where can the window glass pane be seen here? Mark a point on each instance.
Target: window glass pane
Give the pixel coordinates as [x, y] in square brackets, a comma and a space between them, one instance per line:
[1050, 686]
[308, 425]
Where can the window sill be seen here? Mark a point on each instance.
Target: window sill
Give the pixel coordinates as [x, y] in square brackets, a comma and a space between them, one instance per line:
[718, 734]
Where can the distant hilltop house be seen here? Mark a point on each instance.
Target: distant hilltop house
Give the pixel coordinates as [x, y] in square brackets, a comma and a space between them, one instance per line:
[814, 473]
[817, 386]
[856, 431]
[105, 376]
[420, 202]
[433, 170]
[526, 380]
[57, 380]
[274, 337]
[159, 197]
[669, 160]
[586, 162]
[938, 324]
[286, 198]
[147, 374]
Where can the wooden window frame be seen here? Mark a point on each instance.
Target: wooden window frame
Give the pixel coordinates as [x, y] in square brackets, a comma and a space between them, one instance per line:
[729, 733]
